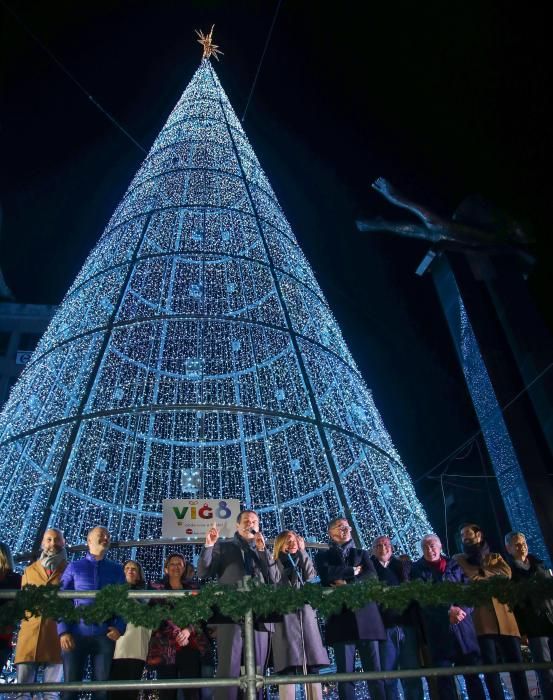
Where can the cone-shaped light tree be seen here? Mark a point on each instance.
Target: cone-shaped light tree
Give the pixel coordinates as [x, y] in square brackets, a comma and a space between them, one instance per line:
[195, 356]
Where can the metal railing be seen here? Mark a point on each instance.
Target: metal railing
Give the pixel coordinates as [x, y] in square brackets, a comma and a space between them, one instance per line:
[250, 681]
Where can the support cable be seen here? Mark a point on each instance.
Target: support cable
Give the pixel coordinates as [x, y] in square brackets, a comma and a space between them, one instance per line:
[468, 441]
[261, 61]
[71, 77]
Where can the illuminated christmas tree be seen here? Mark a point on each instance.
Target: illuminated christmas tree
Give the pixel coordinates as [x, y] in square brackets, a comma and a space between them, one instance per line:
[195, 355]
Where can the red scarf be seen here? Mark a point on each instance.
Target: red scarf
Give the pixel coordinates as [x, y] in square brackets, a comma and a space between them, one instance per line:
[438, 565]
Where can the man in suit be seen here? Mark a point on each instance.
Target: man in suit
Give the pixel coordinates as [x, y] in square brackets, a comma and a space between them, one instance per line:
[244, 555]
[38, 643]
[400, 650]
[344, 564]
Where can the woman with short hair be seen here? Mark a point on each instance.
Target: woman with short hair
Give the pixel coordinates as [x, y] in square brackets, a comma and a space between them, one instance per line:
[131, 649]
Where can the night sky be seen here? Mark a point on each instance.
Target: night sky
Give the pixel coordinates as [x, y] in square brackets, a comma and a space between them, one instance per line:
[445, 100]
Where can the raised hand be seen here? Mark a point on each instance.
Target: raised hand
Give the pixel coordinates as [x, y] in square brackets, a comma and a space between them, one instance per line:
[211, 537]
[381, 185]
[259, 542]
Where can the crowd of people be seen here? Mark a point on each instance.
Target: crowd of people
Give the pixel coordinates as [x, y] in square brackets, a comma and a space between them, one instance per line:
[385, 639]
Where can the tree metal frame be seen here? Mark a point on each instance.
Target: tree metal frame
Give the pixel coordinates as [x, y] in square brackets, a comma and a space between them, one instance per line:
[195, 356]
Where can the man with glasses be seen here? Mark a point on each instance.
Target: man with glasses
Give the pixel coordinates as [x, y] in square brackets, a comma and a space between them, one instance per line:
[341, 565]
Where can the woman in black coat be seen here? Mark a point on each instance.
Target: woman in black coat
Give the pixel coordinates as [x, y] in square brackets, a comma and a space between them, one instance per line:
[8, 580]
[297, 643]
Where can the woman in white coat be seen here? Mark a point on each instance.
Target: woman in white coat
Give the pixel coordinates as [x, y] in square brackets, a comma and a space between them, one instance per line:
[297, 643]
[131, 649]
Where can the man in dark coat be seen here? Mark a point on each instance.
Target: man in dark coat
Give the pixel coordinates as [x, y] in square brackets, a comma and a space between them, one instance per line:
[229, 562]
[400, 649]
[449, 629]
[343, 564]
[535, 620]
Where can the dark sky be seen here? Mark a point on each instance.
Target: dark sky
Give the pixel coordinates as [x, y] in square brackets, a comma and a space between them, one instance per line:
[445, 100]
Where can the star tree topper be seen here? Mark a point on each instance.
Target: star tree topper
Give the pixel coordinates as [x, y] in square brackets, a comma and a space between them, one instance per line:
[210, 49]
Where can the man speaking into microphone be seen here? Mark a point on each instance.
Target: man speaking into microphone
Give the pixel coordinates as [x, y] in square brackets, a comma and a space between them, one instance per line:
[229, 561]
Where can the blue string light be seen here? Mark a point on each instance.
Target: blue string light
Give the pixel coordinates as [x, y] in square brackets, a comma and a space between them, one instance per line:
[195, 356]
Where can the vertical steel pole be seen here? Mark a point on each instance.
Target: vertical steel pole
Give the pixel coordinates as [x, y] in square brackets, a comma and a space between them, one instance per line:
[249, 656]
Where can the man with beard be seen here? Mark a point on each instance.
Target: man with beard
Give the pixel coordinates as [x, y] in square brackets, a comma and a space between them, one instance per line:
[244, 555]
[37, 643]
[495, 624]
[97, 641]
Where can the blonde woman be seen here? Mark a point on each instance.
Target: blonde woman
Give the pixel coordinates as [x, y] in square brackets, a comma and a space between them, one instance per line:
[297, 643]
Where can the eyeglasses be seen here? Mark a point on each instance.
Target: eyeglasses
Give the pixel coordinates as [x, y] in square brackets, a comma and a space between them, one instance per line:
[342, 528]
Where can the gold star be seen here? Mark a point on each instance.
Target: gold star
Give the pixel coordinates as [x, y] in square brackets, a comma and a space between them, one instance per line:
[210, 49]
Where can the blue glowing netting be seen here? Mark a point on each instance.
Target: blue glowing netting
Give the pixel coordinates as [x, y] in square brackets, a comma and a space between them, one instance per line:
[195, 354]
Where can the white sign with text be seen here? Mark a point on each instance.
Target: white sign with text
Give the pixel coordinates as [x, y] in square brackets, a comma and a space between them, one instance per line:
[185, 517]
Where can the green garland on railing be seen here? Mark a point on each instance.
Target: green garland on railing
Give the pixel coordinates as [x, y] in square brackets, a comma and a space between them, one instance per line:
[265, 600]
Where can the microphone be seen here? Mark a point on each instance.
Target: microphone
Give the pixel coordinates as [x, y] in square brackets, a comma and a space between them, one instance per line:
[252, 531]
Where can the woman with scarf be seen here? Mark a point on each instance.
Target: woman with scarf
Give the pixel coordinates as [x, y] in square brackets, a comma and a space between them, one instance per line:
[8, 580]
[177, 652]
[297, 643]
[495, 623]
[131, 649]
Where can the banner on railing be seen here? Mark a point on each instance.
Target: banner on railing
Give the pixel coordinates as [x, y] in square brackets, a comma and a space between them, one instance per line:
[184, 517]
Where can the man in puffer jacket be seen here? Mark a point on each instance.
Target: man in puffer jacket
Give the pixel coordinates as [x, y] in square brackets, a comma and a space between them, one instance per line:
[80, 641]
